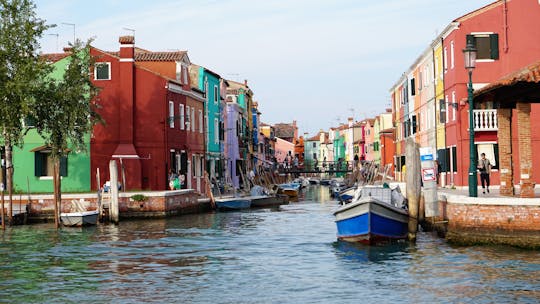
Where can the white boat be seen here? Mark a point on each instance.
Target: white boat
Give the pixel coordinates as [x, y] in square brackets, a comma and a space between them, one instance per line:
[78, 219]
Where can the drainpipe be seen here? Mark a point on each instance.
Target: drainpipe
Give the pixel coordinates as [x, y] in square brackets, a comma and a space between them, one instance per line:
[505, 26]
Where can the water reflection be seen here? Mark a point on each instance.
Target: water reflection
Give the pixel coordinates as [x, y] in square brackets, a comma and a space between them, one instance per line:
[356, 252]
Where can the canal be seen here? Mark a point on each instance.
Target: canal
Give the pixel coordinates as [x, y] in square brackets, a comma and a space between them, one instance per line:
[283, 255]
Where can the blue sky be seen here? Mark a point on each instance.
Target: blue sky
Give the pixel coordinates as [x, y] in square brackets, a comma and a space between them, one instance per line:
[314, 61]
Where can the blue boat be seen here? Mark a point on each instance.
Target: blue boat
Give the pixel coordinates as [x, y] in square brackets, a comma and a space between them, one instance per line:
[347, 194]
[232, 203]
[370, 220]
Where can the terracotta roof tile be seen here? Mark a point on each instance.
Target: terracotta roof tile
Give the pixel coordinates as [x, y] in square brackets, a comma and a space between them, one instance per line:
[126, 40]
[530, 73]
[54, 57]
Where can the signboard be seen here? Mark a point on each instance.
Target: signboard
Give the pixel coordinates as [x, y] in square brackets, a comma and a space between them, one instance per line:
[428, 174]
[426, 157]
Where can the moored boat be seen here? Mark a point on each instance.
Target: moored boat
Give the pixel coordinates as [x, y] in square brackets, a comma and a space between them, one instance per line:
[232, 203]
[371, 220]
[291, 189]
[347, 194]
[78, 219]
[270, 200]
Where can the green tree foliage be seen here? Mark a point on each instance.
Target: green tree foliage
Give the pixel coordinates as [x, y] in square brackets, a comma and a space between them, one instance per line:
[65, 111]
[21, 69]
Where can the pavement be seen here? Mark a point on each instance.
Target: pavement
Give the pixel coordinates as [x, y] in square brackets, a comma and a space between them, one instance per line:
[493, 191]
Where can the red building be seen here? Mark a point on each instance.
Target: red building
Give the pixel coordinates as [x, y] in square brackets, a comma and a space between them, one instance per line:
[154, 122]
[506, 35]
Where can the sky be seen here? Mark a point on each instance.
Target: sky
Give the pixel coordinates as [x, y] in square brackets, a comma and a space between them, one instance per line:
[314, 61]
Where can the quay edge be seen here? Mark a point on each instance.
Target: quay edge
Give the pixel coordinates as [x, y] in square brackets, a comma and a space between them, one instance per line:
[156, 204]
[499, 220]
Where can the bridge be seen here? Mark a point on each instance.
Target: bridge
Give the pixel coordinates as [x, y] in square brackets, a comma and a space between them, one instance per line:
[329, 167]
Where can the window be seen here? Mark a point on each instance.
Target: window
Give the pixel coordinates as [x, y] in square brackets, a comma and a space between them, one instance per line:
[492, 153]
[216, 131]
[193, 118]
[216, 94]
[412, 87]
[454, 159]
[445, 61]
[102, 71]
[442, 111]
[314, 145]
[200, 122]
[188, 118]
[452, 54]
[487, 45]
[171, 114]
[454, 105]
[181, 114]
[44, 165]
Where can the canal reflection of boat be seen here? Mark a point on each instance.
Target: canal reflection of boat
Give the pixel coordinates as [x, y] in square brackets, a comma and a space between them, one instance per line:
[375, 215]
[269, 200]
[232, 203]
[77, 219]
[358, 252]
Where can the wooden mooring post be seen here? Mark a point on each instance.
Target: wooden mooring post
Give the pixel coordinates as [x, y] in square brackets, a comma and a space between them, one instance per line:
[113, 205]
[413, 176]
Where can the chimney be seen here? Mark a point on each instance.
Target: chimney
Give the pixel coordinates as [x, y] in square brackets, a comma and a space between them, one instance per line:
[245, 82]
[126, 79]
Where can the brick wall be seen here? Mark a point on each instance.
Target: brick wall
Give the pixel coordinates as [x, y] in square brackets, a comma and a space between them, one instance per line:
[504, 117]
[499, 220]
[525, 151]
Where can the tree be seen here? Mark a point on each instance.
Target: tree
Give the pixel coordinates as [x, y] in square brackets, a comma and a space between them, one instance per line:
[21, 72]
[65, 111]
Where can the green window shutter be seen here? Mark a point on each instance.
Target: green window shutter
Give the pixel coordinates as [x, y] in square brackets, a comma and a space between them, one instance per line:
[38, 164]
[63, 166]
[471, 39]
[494, 46]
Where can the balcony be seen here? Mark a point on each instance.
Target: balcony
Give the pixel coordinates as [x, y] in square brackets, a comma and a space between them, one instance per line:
[485, 120]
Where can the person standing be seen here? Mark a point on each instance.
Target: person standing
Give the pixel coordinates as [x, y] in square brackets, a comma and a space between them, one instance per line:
[485, 168]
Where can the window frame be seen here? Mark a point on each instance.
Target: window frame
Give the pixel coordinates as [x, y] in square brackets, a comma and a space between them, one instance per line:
[100, 64]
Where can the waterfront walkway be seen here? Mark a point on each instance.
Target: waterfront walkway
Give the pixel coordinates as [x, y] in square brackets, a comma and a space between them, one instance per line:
[493, 192]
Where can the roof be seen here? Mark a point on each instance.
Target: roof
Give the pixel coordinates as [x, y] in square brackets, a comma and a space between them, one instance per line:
[523, 84]
[479, 11]
[54, 57]
[145, 55]
[284, 130]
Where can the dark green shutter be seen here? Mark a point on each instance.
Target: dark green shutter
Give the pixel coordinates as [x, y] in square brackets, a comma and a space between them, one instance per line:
[470, 39]
[494, 46]
[38, 164]
[413, 87]
[496, 152]
[64, 166]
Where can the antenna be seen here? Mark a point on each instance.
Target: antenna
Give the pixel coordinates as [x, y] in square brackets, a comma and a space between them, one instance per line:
[129, 29]
[71, 24]
[236, 76]
[56, 40]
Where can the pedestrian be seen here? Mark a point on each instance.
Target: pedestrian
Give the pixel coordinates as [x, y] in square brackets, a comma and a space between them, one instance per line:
[485, 169]
[355, 164]
[172, 178]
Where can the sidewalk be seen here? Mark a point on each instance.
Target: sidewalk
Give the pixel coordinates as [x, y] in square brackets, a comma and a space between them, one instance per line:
[493, 192]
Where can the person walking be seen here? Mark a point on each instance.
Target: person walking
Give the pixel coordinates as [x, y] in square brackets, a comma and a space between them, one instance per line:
[485, 169]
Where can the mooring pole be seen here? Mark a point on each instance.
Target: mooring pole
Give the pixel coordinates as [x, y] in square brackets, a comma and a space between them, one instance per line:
[413, 176]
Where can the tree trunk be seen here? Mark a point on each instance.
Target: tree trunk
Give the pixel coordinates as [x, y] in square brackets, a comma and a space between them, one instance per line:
[57, 195]
[9, 178]
[3, 218]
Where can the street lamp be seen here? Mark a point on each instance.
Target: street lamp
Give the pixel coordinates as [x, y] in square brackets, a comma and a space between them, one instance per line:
[469, 53]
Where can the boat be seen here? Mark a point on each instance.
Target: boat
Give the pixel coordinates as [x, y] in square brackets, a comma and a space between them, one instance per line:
[78, 219]
[232, 203]
[372, 217]
[346, 195]
[291, 189]
[269, 200]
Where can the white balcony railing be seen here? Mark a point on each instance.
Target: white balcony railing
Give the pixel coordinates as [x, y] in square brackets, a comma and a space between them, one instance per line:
[485, 120]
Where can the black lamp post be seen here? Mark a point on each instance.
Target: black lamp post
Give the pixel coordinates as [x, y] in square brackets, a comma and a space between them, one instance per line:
[469, 53]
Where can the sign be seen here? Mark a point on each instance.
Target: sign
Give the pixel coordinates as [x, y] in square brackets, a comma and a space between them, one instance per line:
[426, 157]
[428, 174]
[426, 154]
